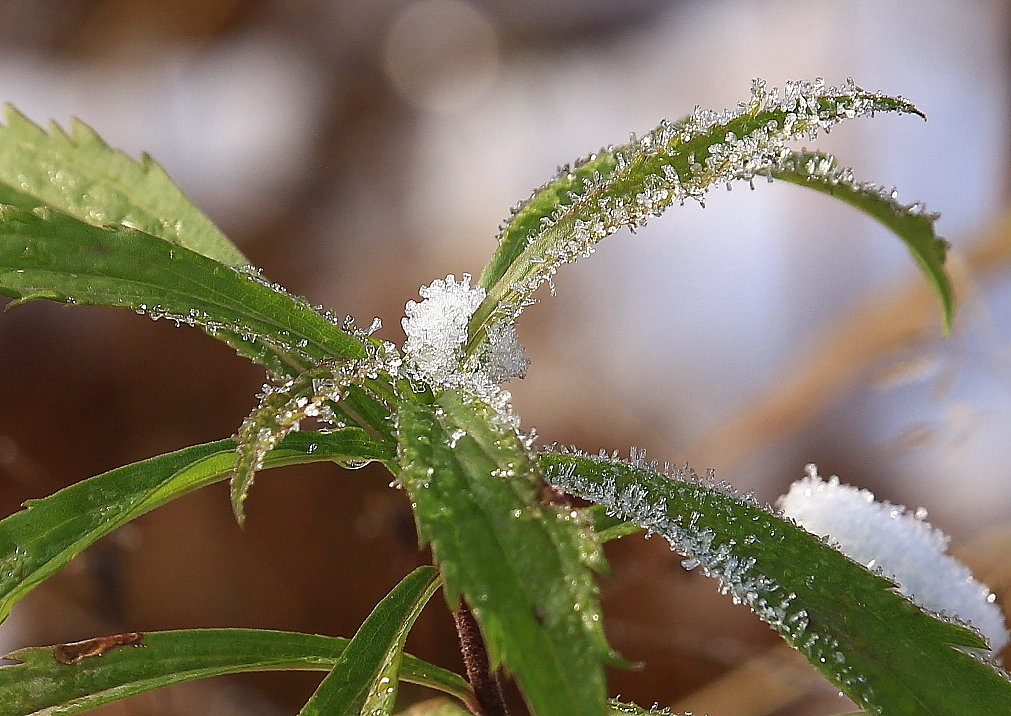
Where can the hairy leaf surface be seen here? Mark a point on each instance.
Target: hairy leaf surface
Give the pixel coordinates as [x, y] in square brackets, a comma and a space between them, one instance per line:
[40, 539]
[520, 565]
[41, 685]
[877, 646]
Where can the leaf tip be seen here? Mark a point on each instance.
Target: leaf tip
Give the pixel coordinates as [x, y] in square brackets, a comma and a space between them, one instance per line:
[56, 130]
[239, 510]
[13, 656]
[948, 318]
[15, 117]
[238, 487]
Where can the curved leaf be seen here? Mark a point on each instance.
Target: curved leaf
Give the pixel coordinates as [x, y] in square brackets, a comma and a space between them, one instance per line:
[624, 186]
[37, 541]
[42, 685]
[879, 648]
[280, 411]
[520, 565]
[364, 679]
[79, 174]
[46, 254]
[913, 224]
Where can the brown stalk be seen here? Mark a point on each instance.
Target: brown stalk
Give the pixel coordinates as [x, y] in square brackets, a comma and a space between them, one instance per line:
[485, 682]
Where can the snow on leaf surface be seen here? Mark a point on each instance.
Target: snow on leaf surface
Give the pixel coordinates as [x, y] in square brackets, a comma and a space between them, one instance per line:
[436, 330]
[902, 545]
[879, 647]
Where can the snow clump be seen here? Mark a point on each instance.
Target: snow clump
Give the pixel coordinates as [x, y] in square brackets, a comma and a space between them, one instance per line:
[901, 545]
[436, 330]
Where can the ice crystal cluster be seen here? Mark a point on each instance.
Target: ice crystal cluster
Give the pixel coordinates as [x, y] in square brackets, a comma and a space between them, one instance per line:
[436, 330]
[901, 545]
[617, 707]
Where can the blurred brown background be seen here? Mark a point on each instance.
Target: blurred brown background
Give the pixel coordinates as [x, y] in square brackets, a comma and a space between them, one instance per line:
[357, 150]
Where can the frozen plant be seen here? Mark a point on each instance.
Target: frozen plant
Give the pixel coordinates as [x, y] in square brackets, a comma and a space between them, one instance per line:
[81, 223]
[436, 330]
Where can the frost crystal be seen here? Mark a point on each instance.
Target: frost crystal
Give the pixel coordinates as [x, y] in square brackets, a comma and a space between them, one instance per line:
[825, 168]
[436, 328]
[901, 545]
[724, 535]
[682, 161]
[436, 331]
[501, 357]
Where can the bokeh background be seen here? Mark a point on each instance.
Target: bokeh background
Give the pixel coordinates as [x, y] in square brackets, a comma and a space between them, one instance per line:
[357, 149]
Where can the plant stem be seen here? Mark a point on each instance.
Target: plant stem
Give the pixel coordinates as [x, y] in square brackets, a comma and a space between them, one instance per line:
[485, 682]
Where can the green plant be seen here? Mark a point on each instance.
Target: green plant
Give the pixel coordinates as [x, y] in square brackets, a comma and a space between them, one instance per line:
[85, 224]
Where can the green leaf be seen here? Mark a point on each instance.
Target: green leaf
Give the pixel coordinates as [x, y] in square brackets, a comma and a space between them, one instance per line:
[79, 174]
[879, 648]
[607, 526]
[40, 539]
[910, 223]
[46, 254]
[364, 679]
[520, 565]
[280, 411]
[42, 685]
[624, 186]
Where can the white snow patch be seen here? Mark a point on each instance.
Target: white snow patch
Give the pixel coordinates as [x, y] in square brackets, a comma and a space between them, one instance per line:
[436, 327]
[902, 545]
[436, 331]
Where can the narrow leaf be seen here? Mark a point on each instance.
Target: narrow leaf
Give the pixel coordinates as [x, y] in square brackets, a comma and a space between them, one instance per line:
[364, 679]
[444, 707]
[520, 565]
[79, 174]
[40, 539]
[877, 646]
[912, 223]
[624, 186]
[42, 685]
[46, 254]
[280, 411]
